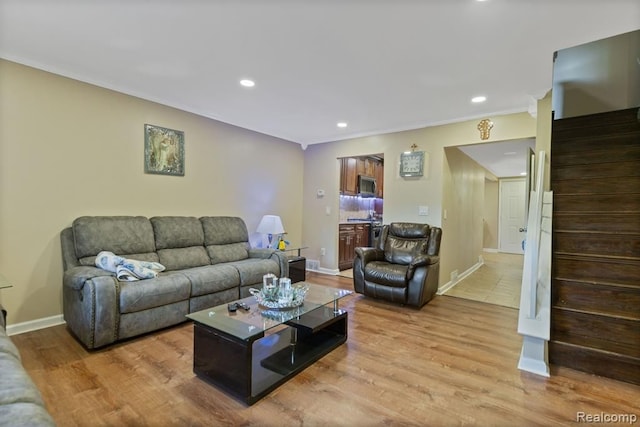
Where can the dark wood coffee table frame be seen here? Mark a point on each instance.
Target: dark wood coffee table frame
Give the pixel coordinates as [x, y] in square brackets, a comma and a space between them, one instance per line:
[250, 369]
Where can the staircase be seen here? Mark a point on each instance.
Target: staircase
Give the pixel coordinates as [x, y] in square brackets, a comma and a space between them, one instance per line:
[595, 300]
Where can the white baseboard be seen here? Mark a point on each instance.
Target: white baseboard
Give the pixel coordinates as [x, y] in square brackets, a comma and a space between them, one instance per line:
[34, 325]
[451, 283]
[323, 270]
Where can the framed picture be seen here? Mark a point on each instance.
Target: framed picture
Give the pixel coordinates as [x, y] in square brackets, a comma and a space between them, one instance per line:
[412, 163]
[163, 150]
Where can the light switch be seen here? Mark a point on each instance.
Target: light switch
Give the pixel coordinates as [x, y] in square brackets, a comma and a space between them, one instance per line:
[423, 210]
[328, 210]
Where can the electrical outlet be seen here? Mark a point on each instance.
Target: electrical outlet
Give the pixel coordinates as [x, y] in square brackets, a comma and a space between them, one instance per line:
[323, 251]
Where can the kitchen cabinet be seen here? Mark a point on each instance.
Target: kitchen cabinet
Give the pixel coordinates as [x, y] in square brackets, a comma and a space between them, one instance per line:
[351, 236]
[351, 167]
[348, 176]
[378, 174]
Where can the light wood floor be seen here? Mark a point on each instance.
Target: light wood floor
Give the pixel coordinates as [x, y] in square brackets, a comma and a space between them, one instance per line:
[497, 281]
[454, 362]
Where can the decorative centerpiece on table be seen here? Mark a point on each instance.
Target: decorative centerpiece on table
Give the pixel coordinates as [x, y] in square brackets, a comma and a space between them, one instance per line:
[279, 294]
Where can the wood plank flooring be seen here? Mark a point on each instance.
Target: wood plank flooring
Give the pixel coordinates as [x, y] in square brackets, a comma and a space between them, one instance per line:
[454, 362]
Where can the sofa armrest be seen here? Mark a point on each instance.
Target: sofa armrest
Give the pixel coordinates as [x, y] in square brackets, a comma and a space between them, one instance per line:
[367, 255]
[421, 261]
[263, 253]
[279, 256]
[75, 277]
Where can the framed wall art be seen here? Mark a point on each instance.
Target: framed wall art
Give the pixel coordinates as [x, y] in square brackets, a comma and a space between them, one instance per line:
[163, 150]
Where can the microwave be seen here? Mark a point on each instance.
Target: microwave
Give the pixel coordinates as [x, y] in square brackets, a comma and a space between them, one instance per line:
[366, 186]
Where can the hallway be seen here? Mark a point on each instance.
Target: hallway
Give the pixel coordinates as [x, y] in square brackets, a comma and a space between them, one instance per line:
[498, 281]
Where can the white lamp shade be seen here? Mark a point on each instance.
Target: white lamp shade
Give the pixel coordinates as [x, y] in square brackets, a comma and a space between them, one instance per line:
[270, 224]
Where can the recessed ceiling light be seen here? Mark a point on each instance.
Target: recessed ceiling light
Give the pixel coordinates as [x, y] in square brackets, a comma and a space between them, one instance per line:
[510, 153]
[477, 99]
[523, 173]
[342, 124]
[247, 83]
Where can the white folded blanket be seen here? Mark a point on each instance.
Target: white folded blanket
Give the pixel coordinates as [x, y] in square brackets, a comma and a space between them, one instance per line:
[128, 270]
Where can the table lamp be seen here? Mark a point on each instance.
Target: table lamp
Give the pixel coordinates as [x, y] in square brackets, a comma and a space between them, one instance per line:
[270, 225]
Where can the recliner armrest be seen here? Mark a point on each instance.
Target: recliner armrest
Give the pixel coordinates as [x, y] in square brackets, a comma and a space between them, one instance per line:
[264, 253]
[75, 277]
[421, 261]
[369, 254]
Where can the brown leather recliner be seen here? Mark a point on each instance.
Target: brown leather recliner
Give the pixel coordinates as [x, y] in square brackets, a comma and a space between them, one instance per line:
[403, 267]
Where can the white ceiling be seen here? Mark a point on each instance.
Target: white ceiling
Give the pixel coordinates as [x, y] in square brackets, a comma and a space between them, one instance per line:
[379, 65]
[504, 159]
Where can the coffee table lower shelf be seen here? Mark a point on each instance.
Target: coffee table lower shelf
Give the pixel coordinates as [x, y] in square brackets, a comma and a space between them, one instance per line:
[250, 369]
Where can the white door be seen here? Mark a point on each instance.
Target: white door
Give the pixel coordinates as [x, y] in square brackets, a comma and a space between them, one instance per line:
[512, 216]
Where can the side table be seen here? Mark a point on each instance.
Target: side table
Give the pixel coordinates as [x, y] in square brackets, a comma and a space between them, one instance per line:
[297, 268]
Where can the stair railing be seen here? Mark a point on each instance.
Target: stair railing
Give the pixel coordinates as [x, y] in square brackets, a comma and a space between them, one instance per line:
[534, 322]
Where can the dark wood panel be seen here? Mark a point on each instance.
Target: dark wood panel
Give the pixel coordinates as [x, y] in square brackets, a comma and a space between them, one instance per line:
[603, 332]
[619, 185]
[598, 243]
[615, 300]
[596, 270]
[611, 124]
[597, 362]
[629, 202]
[605, 221]
[595, 176]
[613, 149]
[600, 170]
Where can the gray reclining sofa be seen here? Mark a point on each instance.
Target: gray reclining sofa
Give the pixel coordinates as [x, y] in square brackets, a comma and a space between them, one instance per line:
[208, 262]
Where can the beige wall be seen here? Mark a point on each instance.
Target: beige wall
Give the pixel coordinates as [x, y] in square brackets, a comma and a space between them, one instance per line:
[491, 200]
[402, 196]
[463, 212]
[69, 149]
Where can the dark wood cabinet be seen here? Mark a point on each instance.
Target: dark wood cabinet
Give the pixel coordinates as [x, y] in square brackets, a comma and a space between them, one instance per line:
[351, 167]
[351, 236]
[348, 176]
[378, 174]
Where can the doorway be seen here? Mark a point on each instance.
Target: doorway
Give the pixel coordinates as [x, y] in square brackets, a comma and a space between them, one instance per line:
[497, 277]
[512, 215]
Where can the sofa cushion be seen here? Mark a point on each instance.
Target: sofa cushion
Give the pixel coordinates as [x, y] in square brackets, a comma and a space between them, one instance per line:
[384, 273]
[181, 258]
[402, 251]
[212, 278]
[144, 294]
[122, 235]
[177, 232]
[226, 238]
[222, 230]
[228, 253]
[252, 269]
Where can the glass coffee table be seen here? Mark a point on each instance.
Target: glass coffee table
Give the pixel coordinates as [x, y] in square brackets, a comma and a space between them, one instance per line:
[248, 353]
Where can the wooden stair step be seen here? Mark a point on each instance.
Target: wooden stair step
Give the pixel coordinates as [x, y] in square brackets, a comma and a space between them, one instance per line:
[592, 186]
[598, 362]
[607, 170]
[597, 243]
[597, 221]
[596, 269]
[596, 297]
[629, 202]
[610, 124]
[604, 332]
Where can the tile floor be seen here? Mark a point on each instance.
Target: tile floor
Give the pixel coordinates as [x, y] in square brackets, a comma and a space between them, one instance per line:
[498, 281]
